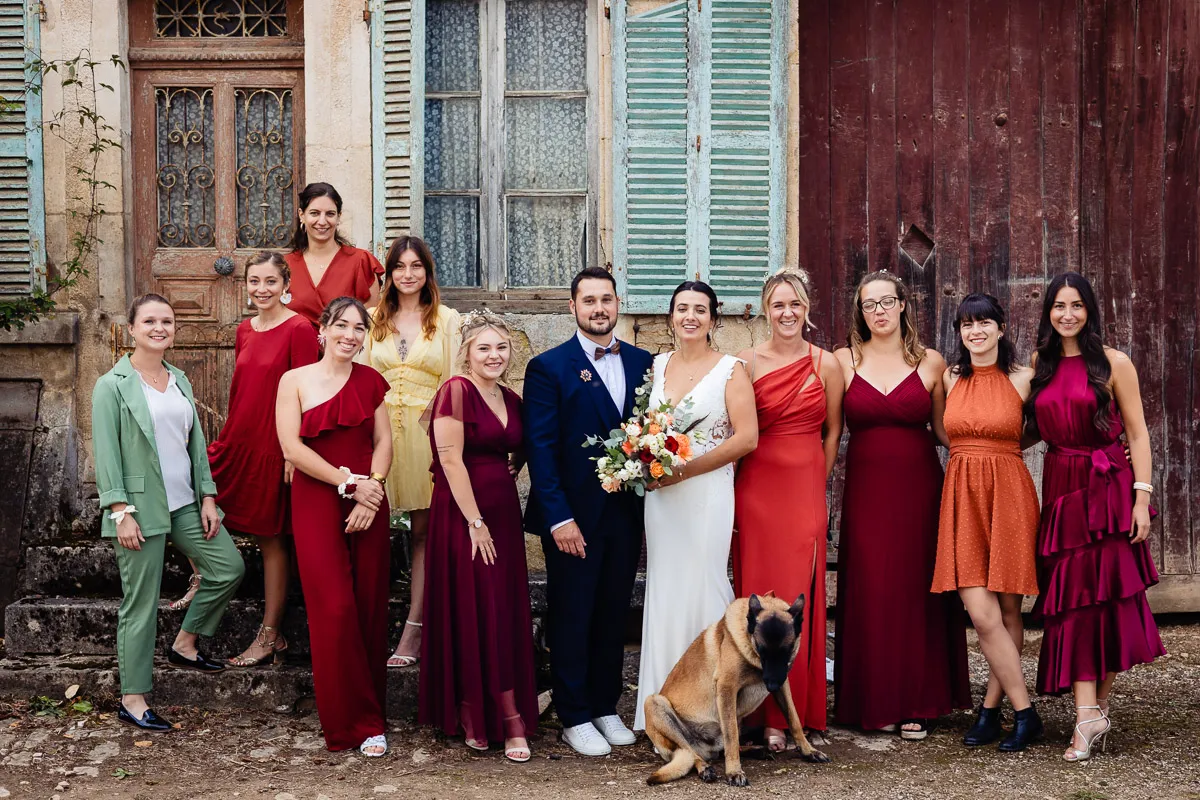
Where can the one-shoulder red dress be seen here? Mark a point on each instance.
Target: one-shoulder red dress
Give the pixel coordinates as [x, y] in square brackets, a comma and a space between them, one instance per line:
[344, 575]
[781, 520]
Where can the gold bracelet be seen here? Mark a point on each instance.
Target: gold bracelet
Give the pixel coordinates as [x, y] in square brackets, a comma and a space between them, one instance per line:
[375, 476]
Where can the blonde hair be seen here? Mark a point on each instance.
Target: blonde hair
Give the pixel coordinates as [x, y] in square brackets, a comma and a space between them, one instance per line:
[475, 323]
[795, 278]
[860, 331]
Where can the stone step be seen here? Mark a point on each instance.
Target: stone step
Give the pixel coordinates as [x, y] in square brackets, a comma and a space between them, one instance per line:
[263, 689]
[87, 626]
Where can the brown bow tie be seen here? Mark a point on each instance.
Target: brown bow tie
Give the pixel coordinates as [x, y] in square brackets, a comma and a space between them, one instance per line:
[601, 352]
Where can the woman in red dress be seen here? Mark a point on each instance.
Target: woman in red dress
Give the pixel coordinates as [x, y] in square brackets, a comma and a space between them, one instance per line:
[477, 673]
[779, 494]
[333, 427]
[324, 265]
[1095, 562]
[247, 462]
[900, 652]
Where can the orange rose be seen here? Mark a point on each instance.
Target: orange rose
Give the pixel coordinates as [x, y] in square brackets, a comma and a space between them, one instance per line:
[656, 470]
[654, 428]
[685, 445]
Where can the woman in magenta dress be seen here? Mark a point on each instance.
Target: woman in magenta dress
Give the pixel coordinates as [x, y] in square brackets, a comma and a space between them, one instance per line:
[1095, 562]
[247, 462]
[333, 426]
[901, 652]
[779, 494]
[477, 674]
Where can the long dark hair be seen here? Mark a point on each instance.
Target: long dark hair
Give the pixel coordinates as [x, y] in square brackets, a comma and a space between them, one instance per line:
[702, 287]
[975, 307]
[309, 193]
[389, 302]
[1091, 345]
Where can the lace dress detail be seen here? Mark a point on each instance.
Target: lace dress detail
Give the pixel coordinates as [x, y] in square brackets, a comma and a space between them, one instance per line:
[688, 530]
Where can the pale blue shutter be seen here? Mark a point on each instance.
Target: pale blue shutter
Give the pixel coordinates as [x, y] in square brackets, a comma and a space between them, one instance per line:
[394, 64]
[651, 154]
[22, 200]
[700, 124]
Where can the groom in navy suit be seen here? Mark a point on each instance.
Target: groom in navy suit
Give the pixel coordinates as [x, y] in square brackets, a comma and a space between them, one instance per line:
[592, 539]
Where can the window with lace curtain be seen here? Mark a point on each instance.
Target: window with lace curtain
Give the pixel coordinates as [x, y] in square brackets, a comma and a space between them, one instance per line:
[508, 196]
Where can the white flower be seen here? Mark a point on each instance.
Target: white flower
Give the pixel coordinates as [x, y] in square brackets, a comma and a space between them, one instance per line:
[602, 462]
[633, 429]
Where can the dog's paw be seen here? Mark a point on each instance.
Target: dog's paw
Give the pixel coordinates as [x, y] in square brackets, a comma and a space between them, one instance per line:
[815, 757]
[737, 779]
[708, 774]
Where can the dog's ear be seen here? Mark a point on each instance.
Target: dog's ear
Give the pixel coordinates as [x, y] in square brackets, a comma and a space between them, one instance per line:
[797, 612]
[752, 617]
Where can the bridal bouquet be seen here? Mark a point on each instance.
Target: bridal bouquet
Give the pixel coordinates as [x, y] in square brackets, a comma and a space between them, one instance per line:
[647, 446]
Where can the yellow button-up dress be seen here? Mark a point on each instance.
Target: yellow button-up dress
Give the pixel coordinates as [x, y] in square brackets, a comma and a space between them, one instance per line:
[414, 381]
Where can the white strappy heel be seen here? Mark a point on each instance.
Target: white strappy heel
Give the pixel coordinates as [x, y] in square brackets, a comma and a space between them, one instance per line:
[374, 741]
[1074, 754]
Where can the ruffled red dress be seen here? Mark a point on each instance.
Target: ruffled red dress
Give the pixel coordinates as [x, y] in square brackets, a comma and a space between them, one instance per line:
[246, 460]
[477, 671]
[1093, 579]
[350, 274]
[344, 575]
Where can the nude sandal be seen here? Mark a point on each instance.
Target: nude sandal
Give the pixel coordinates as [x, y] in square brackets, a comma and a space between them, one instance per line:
[400, 662]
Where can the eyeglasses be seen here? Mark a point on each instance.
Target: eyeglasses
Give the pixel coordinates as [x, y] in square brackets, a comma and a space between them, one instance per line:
[888, 304]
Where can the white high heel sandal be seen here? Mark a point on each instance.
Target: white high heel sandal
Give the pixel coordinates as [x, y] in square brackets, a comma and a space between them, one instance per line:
[1074, 754]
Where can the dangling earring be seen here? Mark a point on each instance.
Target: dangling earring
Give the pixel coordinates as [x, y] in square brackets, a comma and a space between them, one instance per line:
[285, 298]
[321, 340]
[249, 301]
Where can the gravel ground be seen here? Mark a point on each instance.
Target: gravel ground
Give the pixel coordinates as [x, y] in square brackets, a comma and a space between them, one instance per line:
[1153, 753]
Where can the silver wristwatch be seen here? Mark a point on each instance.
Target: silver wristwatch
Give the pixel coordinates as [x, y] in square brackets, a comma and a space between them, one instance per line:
[477, 524]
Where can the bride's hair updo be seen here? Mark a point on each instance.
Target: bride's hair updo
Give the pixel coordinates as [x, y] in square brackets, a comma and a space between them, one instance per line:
[704, 289]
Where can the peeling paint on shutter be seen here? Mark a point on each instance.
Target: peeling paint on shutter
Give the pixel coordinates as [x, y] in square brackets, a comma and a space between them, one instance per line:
[700, 126]
[650, 186]
[395, 58]
[22, 201]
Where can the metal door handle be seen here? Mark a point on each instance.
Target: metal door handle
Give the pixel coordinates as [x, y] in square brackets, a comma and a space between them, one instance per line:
[223, 266]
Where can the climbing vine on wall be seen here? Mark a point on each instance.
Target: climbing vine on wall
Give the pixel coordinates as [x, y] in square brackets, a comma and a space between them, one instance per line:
[82, 128]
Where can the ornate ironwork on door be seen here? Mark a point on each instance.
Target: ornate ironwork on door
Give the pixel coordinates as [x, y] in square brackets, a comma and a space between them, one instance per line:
[183, 19]
[265, 189]
[186, 178]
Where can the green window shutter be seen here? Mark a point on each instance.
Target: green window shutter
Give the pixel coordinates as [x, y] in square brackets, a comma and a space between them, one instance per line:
[651, 159]
[22, 199]
[699, 183]
[395, 61]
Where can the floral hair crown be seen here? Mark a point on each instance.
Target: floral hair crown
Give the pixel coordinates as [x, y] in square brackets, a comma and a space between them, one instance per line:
[480, 318]
[799, 272]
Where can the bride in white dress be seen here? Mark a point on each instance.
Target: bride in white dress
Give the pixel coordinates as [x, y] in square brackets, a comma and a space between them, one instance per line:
[689, 515]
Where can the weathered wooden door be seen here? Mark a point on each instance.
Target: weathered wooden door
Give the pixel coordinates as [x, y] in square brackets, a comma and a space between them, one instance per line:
[218, 143]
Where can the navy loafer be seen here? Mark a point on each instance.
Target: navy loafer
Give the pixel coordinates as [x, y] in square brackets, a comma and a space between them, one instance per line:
[149, 721]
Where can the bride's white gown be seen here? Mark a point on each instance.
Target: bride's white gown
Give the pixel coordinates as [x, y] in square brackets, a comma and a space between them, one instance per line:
[688, 530]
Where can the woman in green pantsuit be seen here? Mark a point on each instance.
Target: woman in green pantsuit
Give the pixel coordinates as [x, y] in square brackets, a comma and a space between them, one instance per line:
[154, 481]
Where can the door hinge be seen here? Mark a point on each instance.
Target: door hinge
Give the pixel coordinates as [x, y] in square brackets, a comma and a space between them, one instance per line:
[40, 8]
[367, 11]
[607, 11]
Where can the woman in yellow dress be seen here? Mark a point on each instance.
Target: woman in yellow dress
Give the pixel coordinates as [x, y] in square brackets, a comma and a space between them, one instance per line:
[413, 342]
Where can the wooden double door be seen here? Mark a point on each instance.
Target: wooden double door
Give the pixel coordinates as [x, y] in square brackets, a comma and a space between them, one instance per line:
[218, 153]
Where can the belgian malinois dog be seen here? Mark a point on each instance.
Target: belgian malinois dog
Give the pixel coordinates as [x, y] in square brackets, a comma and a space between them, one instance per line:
[724, 675]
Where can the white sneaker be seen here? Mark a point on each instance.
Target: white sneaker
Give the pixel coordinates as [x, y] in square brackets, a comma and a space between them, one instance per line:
[614, 731]
[586, 740]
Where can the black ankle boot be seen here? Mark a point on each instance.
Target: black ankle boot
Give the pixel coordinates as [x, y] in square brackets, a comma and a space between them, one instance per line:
[1028, 728]
[986, 728]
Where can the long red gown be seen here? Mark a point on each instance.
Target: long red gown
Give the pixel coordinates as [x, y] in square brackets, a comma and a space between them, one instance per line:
[1093, 579]
[900, 651]
[350, 274]
[477, 671]
[780, 520]
[246, 460]
[344, 575]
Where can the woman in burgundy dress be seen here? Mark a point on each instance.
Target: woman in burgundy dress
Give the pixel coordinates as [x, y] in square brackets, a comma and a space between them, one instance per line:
[901, 652]
[477, 674]
[247, 462]
[1095, 563]
[333, 426]
[324, 264]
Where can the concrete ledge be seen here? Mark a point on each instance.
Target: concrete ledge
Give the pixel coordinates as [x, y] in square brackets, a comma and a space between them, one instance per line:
[58, 329]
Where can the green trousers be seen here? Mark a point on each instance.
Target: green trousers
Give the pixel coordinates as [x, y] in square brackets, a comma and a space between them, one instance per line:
[217, 559]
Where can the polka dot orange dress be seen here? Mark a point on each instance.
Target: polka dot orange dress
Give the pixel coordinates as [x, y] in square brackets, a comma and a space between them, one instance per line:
[987, 532]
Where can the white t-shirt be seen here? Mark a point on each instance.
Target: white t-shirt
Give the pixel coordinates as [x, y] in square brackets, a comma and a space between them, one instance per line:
[172, 415]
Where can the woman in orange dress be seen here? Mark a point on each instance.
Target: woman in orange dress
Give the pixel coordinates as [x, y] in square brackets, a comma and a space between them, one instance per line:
[987, 532]
[323, 263]
[780, 516]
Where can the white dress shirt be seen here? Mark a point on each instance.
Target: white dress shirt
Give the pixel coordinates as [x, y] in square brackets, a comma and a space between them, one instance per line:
[612, 373]
[172, 416]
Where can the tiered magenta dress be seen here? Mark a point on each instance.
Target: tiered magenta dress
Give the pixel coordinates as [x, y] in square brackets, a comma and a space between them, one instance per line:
[477, 672]
[901, 651]
[1093, 579]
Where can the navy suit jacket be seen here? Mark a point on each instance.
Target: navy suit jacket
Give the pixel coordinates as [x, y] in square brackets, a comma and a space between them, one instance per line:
[565, 401]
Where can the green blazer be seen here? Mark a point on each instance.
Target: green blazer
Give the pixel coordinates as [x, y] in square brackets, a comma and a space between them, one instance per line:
[125, 453]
